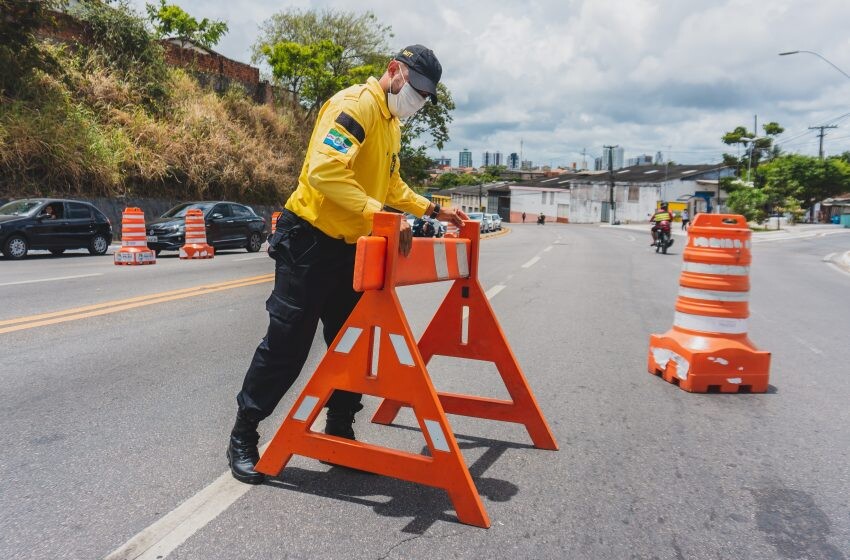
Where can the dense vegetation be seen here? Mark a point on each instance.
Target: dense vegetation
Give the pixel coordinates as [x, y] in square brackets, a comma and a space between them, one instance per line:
[768, 181]
[110, 118]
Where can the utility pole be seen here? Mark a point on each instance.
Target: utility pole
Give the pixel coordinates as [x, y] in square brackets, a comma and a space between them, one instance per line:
[583, 159]
[479, 198]
[611, 181]
[821, 135]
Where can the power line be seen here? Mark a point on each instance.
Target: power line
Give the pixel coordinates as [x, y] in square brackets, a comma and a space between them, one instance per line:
[821, 135]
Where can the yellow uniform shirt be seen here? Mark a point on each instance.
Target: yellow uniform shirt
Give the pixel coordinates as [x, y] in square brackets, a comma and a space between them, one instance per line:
[661, 216]
[352, 167]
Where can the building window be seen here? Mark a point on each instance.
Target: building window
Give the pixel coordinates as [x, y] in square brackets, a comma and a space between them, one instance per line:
[551, 198]
[634, 193]
[543, 198]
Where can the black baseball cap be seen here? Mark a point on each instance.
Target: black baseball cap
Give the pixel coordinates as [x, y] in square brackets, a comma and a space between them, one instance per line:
[425, 69]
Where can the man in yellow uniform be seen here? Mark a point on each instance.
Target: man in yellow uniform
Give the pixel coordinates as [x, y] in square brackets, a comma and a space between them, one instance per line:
[351, 170]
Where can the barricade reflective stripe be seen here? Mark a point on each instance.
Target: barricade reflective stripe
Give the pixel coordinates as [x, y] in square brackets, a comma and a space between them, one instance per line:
[702, 323]
[306, 408]
[717, 242]
[462, 260]
[402, 352]
[346, 343]
[440, 261]
[720, 269]
[713, 295]
[438, 438]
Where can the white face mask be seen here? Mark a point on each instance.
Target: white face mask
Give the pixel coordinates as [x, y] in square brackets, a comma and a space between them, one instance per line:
[406, 102]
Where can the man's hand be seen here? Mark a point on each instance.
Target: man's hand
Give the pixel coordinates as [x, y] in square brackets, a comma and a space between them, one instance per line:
[405, 238]
[453, 216]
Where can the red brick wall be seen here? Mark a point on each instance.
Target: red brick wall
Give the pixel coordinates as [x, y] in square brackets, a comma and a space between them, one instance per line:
[213, 63]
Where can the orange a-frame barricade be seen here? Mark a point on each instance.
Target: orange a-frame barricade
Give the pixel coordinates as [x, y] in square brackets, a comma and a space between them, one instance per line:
[400, 377]
[708, 348]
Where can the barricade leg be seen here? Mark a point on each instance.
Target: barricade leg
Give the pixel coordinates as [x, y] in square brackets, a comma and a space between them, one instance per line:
[485, 341]
[400, 375]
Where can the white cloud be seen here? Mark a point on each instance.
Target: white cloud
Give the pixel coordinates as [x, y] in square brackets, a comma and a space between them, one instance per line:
[649, 75]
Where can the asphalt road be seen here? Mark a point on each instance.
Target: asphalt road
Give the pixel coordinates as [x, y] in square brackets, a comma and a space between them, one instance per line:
[113, 419]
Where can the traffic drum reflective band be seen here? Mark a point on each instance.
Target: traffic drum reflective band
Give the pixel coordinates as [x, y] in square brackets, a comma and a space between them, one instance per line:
[713, 295]
[704, 324]
[719, 269]
[127, 243]
[719, 243]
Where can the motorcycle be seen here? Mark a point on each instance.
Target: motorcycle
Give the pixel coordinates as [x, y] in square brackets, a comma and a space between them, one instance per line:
[541, 219]
[663, 238]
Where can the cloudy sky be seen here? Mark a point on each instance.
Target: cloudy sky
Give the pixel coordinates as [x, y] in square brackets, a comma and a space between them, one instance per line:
[647, 75]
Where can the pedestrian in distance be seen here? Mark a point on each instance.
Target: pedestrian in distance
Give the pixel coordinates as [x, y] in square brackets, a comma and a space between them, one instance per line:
[686, 219]
[541, 219]
[523, 217]
[350, 171]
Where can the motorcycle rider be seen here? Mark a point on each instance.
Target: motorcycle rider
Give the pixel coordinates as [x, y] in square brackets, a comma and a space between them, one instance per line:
[661, 215]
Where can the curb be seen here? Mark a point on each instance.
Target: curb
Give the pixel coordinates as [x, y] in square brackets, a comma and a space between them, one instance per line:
[500, 233]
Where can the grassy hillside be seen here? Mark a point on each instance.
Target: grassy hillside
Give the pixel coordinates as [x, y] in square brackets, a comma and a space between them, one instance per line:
[85, 127]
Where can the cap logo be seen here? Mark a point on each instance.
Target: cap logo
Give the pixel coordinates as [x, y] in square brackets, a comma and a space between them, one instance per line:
[407, 53]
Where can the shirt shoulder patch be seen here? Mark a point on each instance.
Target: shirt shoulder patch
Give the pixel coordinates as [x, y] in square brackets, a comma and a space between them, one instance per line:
[338, 140]
[351, 125]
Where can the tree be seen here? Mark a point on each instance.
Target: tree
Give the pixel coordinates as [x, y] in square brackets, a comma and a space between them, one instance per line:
[753, 150]
[750, 202]
[19, 50]
[359, 49]
[432, 120]
[805, 179]
[172, 20]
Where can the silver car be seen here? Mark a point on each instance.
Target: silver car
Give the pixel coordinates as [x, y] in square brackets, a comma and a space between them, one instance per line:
[497, 221]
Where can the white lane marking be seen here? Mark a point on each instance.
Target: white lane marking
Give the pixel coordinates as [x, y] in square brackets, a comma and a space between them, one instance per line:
[531, 263]
[808, 345]
[161, 538]
[547, 249]
[489, 294]
[251, 258]
[828, 257]
[51, 279]
[494, 291]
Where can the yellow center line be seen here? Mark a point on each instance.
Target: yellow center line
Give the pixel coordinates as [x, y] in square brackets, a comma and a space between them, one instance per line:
[44, 319]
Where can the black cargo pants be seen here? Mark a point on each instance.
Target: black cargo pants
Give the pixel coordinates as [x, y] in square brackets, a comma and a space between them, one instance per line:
[313, 281]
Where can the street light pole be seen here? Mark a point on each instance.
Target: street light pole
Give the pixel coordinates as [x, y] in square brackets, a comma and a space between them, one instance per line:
[611, 181]
[846, 75]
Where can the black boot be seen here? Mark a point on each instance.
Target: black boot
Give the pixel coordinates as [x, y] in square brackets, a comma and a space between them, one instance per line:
[339, 421]
[242, 452]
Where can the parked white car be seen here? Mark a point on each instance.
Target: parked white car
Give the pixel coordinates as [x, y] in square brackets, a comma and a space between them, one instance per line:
[481, 219]
[497, 221]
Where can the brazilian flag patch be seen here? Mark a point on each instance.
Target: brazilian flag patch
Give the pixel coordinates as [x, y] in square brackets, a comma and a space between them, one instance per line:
[338, 141]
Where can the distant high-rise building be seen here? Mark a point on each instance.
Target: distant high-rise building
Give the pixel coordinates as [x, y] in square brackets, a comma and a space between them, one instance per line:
[464, 158]
[491, 158]
[441, 162]
[659, 158]
[644, 159]
[597, 164]
[616, 160]
[527, 164]
[513, 161]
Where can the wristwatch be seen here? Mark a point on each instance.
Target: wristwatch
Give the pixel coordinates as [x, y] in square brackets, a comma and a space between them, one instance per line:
[435, 213]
